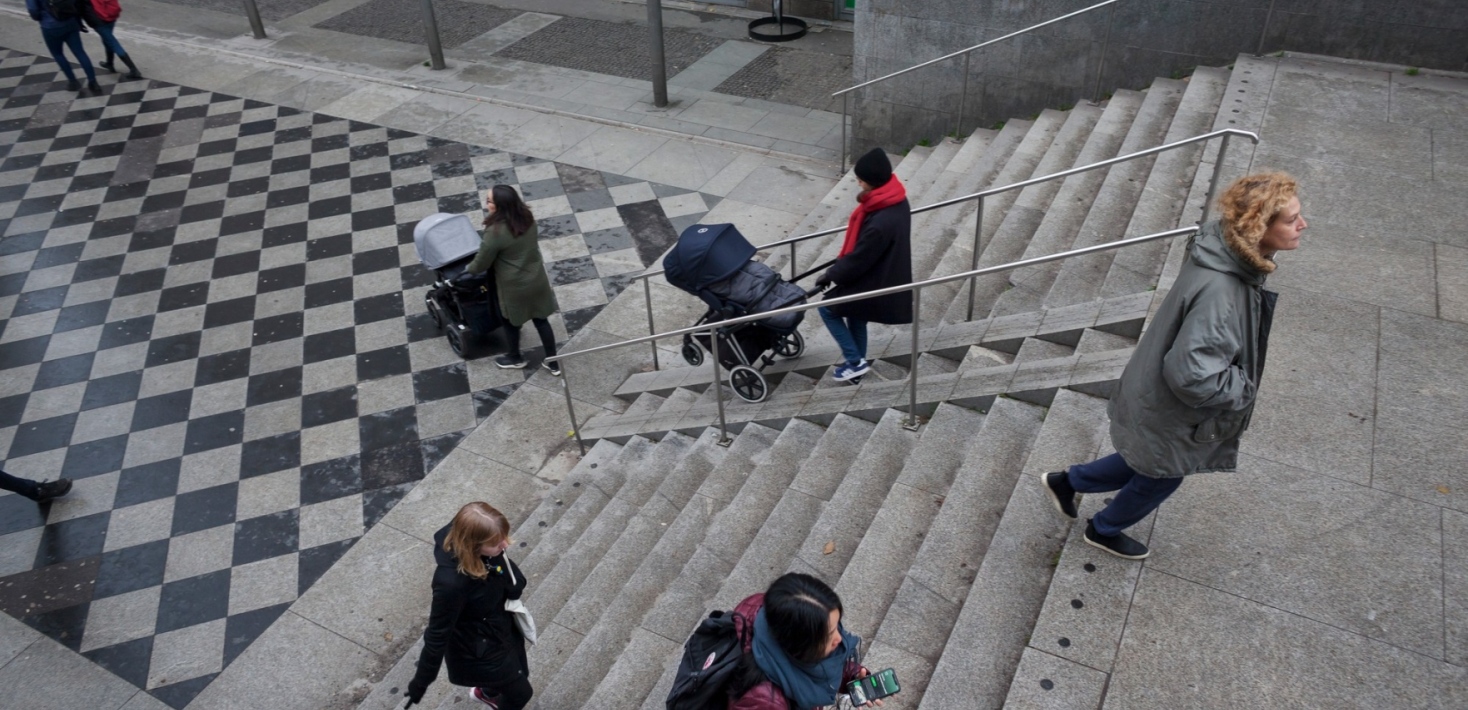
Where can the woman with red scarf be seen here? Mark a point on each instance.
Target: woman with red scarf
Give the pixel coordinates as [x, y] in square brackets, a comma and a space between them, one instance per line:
[877, 254]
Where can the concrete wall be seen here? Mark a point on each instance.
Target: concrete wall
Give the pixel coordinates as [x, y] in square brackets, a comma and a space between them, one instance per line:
[1058, 66]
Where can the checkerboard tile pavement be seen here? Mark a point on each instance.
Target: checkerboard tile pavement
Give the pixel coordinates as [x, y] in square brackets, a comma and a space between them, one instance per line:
[214, 324]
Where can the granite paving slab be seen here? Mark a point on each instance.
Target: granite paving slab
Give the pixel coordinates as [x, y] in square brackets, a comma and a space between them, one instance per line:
[458, 22]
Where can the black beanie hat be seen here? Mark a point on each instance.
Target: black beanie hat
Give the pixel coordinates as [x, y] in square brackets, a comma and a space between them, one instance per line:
[874, 168]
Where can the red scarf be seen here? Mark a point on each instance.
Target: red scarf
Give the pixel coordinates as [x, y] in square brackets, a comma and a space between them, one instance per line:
[870, 201]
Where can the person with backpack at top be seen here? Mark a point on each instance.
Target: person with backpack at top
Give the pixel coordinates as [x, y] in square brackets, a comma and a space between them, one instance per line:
[61, 26]
[796, 652]
[876, 254]
[469, 628]
[102, 16]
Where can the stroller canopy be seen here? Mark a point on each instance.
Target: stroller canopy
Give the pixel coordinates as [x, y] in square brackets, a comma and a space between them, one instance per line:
[444, 238]
[706, 254]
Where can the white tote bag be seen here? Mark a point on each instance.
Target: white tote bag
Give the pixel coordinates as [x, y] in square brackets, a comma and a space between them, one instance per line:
[517, 608]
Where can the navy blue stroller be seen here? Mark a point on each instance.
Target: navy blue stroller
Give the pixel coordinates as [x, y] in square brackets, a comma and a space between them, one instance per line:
[714, 262]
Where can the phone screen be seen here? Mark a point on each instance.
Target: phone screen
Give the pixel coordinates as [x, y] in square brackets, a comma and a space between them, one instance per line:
[874, 687]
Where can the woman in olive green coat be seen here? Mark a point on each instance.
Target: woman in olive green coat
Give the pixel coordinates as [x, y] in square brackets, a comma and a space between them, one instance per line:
[511, 247]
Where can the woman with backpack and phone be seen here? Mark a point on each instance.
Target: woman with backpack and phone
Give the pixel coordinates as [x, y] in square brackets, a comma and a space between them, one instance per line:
[101, 15]
[61, 27]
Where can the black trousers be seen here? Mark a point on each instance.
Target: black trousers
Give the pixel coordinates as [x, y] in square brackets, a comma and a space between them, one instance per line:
[16, 484]
[543, 327]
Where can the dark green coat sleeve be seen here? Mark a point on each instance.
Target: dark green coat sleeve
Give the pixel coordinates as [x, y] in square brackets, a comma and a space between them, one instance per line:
[489, 248]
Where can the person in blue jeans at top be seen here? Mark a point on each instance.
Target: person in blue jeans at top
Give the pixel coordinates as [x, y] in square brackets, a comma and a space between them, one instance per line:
[876, 254]
[67, 31]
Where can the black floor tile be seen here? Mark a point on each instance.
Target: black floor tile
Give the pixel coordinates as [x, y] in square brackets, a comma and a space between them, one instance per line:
[131, 568]
[204, 509]
[113, 389]
[222, 367]
[441, 382]
[395, 426]
[129, 661]
[316, 561]
[162, 410]
[94, 458]
[64, 371]
[271, 454]
[192, 601]
[383, 363]
[73, 539]
[42, 435]
[266, 536]
[328, 480]
[336, 405]
[392, 465]
[214, 431]
[274, 386]
[241, 630]
[147, 482]
[330, 345]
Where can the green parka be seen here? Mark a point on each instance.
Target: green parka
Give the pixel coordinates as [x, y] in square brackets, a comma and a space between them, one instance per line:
[519, 273]
[1189, 389]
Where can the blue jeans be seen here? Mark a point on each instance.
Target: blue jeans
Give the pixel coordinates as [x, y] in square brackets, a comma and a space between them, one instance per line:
[109, 41]
[1136, 496]
[72, 39]
[850, 335]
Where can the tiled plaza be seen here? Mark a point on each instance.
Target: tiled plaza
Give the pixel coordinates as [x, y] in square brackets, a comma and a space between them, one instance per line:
[213, 322]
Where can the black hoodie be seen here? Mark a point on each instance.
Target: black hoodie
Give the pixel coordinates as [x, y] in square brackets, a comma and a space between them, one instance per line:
[468, 627]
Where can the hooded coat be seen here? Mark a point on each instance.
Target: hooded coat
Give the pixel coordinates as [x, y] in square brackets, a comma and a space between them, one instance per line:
[468, 627]
[1188, 391]
[881, 258]
[767, 695]
[519, 272]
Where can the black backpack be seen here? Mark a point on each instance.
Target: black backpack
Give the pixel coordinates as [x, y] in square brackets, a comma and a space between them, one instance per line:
[710, 661]
[63, 9]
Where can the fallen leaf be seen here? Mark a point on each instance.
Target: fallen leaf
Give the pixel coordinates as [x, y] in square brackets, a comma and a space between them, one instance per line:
[387, 636]
[829, 548]
[1442, 489]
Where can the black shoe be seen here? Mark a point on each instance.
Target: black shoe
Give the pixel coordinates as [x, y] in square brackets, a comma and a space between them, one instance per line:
[505, 362]
[1062, 495]
[554, 367]
[52, 489]
[73, 85]
[1118, 544]
[108, 66]
[94, 87]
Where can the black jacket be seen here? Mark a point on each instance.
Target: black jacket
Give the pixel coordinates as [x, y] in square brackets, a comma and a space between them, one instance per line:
[881, 258]
[468, 627]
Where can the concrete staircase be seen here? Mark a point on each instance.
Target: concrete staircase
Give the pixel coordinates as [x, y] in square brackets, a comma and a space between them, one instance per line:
[940, 545]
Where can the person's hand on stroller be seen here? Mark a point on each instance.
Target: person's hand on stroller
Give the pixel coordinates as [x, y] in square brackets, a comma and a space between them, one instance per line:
[823, 282]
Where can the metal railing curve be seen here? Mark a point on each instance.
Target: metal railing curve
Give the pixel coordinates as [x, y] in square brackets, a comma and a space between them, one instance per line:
[916, 288]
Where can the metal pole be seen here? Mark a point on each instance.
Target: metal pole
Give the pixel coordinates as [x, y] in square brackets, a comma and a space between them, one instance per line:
[1101, 61]
[1268, 17]
[843, 132]
[962, 98]
[718, 385]
[1213, 181]
[571, 409]
[973, 262]
[659, 66]
[651, 329]
[912, 372]
[256, 25]
[792, 261]
[430, 27]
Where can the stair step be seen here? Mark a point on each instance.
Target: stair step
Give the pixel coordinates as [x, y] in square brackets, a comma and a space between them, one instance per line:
[555, 586]
[871, 578]
[1006, 596]
[916, 626]
[610, 668]
[1069, 208]
[928, 173]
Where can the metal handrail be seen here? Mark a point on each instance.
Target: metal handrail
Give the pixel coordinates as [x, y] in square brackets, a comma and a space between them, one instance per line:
[965, 53]
[1225, 133]
[916, 289]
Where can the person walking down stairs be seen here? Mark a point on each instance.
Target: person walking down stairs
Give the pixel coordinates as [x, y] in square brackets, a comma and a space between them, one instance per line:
[38, 491]
[61, 26]
[1187, 394]
[512, 248]
[102, 16]
[876, 254]
[469, 628]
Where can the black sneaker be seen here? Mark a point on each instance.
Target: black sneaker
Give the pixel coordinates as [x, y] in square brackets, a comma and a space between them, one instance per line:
[94, 87]
[73, 85]
[1062, 495]
[554, 367]
[505, 362]
[52, 489]
[1118, 544]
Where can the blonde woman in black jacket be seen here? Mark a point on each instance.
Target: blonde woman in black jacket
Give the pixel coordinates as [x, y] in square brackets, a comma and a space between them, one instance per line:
[468, 627]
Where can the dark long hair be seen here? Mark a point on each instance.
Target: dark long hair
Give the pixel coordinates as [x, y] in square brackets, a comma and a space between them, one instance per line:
[509, 209]
[797, 608]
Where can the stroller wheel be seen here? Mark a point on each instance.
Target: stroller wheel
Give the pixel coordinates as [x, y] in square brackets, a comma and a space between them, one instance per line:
[462, 342]
[692, 354]
[748, 383]
[791, 345]
[434, 311]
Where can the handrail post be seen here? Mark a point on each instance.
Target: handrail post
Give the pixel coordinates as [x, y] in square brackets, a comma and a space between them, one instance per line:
[571, 409]
[1268, 17]
[973, 262]
[651, 330]
[962, 98]
[1213, 181]
[844, 101]
[252, 13]
[793, 270]
[718, 386]
[912, 362]
[1101, 60]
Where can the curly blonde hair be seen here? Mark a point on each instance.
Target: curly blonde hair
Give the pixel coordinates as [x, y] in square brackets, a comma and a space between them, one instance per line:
[1248, 207]
[475, 524]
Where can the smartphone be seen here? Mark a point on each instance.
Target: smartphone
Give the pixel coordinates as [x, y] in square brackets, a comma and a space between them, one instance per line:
[873, 687]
